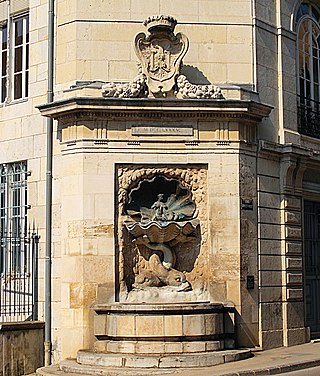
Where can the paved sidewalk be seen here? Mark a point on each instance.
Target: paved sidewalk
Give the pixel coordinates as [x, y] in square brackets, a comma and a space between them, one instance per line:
[269, 362]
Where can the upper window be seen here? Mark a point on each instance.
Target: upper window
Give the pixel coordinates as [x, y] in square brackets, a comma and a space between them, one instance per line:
[308, 32]
[14, 59]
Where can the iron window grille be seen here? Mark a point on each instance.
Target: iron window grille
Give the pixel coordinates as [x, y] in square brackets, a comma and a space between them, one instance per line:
[18, 246]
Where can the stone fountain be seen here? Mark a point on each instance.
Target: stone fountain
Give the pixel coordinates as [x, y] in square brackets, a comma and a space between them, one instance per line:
[161, 321]
[164, 318]
[160, 310]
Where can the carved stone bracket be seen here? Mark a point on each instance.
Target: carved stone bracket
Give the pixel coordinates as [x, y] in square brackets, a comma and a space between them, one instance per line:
[288, 166]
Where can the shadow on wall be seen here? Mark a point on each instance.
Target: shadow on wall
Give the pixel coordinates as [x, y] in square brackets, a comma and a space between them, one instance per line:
[194, 75]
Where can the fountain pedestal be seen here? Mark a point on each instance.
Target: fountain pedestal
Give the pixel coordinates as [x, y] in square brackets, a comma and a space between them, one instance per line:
[161, 336]
[159, 328]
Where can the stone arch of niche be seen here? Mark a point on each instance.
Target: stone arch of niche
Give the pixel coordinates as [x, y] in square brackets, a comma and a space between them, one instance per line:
[192, 177]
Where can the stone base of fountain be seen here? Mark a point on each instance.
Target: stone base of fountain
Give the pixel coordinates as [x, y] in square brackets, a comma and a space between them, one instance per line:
[158, 336]
[160, 328]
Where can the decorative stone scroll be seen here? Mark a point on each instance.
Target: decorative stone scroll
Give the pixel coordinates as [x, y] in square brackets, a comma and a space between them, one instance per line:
[160, 53]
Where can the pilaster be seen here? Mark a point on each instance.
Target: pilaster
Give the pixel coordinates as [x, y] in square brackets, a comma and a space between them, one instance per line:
[294, 331]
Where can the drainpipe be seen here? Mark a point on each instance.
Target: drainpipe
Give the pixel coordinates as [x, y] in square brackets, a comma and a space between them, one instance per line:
[47, 343]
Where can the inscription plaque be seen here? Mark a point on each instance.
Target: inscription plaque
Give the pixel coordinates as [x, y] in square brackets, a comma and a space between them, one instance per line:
[157, 130]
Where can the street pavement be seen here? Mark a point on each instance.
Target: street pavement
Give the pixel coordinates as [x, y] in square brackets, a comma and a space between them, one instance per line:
[306, 372]
[283, 361]
[301, 360]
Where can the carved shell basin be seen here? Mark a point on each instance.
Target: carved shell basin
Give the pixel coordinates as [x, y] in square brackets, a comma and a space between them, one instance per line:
[161, 232]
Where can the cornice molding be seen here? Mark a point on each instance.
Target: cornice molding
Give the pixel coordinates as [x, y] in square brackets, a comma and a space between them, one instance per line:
[88, 108]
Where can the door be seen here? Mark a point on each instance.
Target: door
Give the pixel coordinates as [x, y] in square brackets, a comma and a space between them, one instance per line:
[312, 264]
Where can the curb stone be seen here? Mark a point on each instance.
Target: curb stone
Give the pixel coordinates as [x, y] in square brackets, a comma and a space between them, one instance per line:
[285, 368]
[281, 369]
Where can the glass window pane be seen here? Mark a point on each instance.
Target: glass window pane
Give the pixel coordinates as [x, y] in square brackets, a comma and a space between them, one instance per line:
[27, 29]
[17, 86]
[4, 63]
[308, 90]
[305, 9]
[3, 89]
[27, 58]
[4, 32]
[315, 13]
[18, 32]
[316, 70]
[302, 91]
[26, 94]
[21, 58]
[18, 59]
[316, 93]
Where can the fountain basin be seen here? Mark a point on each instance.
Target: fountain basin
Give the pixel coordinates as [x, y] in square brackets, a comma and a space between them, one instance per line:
[162, 328]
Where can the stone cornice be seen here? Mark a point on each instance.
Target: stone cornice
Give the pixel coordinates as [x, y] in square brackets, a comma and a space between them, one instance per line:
[92, 108]
[285, 149]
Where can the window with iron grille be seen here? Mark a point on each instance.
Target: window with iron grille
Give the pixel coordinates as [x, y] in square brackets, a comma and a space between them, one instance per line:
[13, 215]
[14, 43]
[18, 247]
[308, 31]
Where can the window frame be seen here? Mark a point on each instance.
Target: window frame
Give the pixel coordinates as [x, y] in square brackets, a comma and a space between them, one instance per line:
[24, 72]
[4, 59]
[311, 76]
[13, 74]
[307, 27]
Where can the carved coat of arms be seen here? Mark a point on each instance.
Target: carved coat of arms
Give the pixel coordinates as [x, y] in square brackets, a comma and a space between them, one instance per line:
[161, 53]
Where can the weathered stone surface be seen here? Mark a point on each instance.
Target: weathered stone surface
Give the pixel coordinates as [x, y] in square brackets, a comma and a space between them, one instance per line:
[294, 248]
[294, 294]
[292, 203]
[292, 217]
[270, 294]
[271, 316]
[271, 278]
[294, 263]
[295, 314]
[297, 336]
[294, 279]
[272, 339]
[100, 325]
[18, 357]
[201, 359]
[293, 232]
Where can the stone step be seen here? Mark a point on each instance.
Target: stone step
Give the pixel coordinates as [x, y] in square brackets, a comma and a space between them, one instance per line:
[203, 359]
[159, 347]
[71, 368]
